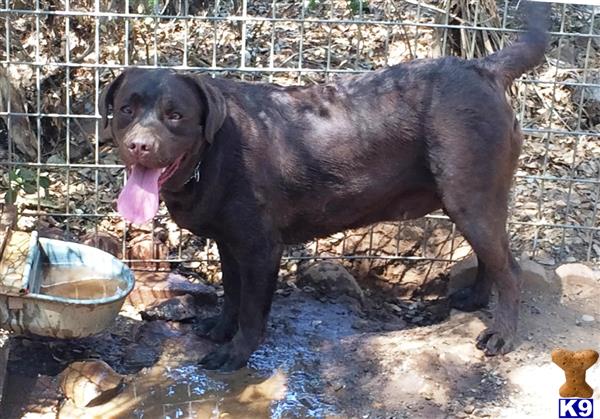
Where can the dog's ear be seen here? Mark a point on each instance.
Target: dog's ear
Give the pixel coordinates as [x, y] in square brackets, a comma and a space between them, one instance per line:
[214, 103]
[107, 97]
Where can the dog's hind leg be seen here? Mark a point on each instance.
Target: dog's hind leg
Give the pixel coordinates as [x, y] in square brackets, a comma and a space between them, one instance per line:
[480, 214]
[485, 230]
[473, 171]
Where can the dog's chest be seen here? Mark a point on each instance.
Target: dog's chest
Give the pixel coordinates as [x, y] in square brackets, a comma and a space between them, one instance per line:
[183, 210]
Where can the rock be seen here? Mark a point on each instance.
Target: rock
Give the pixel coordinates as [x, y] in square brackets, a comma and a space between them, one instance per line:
[587, 318]
[175, 309]
[330, 278]
[468, 409]
[90, 383]
[546, 260]
[575, 270]
[105, 241]
[462, 274]
[578, 281]
[394, 307]
[153, 287]
[532, 271]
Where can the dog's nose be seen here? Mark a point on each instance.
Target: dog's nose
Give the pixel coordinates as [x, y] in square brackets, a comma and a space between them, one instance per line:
[139, 147]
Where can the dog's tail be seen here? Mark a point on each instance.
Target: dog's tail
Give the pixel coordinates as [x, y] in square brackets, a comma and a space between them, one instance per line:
[528, 51]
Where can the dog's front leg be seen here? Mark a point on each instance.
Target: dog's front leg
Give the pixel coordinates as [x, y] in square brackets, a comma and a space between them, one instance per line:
[258, 268]
[222, 328]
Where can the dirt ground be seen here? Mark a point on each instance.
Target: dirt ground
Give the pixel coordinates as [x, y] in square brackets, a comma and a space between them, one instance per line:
[330, 356]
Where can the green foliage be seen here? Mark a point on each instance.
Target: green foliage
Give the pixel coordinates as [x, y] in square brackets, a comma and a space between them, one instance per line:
[23, 179]
[354, 5]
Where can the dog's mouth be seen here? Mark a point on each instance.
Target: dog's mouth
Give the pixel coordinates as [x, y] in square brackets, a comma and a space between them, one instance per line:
[169, 171]
[138, 201]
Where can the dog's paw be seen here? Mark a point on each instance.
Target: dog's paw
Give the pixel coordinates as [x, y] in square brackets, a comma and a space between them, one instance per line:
[492, 341]
[216, 328]
[468, 299]
[225, 358]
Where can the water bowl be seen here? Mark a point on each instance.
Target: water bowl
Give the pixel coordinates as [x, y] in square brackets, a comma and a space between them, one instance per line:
[59, 289]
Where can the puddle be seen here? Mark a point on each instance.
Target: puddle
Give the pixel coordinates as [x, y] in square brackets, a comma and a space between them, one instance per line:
[283, 379]
[284, 376]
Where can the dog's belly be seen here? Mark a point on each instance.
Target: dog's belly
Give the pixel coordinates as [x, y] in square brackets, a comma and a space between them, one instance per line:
[341, 214]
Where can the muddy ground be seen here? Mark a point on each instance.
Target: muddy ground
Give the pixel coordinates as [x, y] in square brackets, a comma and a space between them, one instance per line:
[328, 354]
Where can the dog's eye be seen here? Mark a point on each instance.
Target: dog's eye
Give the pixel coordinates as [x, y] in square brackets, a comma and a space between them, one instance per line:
[174, 116]
[126, 110]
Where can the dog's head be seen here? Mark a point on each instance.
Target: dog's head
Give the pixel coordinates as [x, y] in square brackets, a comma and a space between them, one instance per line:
[160, 122]
[159, 116]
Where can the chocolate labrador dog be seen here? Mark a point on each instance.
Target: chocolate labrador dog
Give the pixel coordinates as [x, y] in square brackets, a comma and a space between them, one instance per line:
[258, 166]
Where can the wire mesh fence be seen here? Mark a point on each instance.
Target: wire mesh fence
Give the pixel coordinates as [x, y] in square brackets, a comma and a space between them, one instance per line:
[61, 169]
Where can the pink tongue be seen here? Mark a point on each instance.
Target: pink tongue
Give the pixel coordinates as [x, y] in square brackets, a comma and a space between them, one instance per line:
[138, 201]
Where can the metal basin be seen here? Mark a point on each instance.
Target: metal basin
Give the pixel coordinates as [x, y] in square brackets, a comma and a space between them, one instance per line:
[62, 290]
